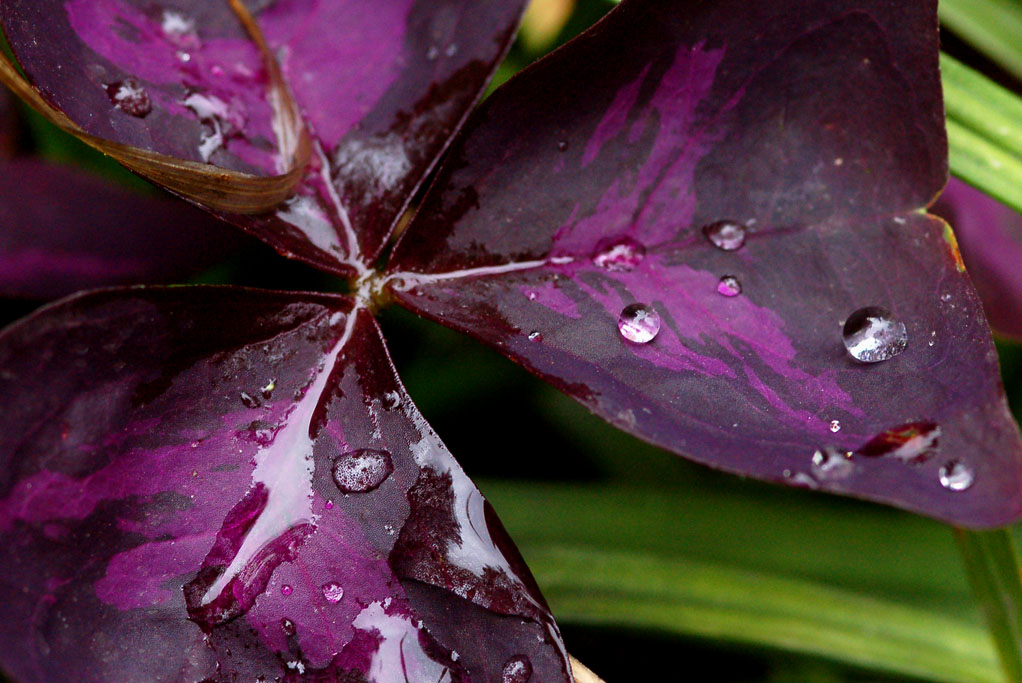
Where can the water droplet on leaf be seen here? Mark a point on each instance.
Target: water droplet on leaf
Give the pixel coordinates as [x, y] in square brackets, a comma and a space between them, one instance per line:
[267, 391]
[639, 323]
[535, 336]
[286, 590]
[362, 470]
[432, 53]
[249, 400]
[946, 297]
[288, 627]
[835, 426]
[913, 443]
[619, 255]
[562, 145]
[518, 669]
[130, 97]
[956, 475]
[832, 463]
[391, 400]
[729, 286]
[873, 334]
[333, 592]
[726, 235]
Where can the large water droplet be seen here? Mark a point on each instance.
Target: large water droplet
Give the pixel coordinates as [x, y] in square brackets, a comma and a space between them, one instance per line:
[518, 669]
[873, 334]
[729, 286]
[362, 470]
[619, 255]
[831, 464]
[913, 443]
[956, 475]
[130, 97]
[726, 235]
[639, 323]
[333, 592]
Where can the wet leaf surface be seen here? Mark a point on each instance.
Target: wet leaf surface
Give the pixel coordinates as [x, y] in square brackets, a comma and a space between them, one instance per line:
[63, 230]
[171, 503]
[990, 236]
[751, 178]
[186, 80]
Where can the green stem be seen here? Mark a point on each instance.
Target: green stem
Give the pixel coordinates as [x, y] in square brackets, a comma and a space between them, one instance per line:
[992, 566]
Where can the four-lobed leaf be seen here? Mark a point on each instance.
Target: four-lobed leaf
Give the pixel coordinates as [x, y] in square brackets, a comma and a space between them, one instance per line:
[740, 182]
[258, 450]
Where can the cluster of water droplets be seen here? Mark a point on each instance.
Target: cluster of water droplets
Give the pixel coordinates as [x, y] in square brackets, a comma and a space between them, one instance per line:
[913, 444]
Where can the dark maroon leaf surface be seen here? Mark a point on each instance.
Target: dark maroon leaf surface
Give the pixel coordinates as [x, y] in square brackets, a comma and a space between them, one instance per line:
[382, 88]
[63, 230]
[589, 182]
[990, 236]
[232, 484]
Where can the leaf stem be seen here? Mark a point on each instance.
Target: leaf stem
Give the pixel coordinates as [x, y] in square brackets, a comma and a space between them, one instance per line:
[991, 563]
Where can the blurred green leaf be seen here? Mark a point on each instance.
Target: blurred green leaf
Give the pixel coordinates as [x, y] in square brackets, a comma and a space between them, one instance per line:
[994, 27]
[984, 126]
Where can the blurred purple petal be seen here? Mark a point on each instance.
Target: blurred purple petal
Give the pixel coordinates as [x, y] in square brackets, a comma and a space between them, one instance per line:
[63, 230]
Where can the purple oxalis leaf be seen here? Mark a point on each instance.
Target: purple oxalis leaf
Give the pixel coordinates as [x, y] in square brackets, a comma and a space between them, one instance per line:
[990, 234]
[62, 230]
[231, 483]
[728, 191]
[382, 88]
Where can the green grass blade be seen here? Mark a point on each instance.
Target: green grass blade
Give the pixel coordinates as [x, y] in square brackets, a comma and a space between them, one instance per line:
[992, 564]
[680, 596]
[749, 563]
[984, 126]
[994, 27]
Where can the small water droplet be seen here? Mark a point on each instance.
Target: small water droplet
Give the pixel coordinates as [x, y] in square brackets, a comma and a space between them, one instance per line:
[639, 323]
[518, 669]
[873, 334]
[933, 338]
[832, 463]
[389, 528]
[432, 53]
[946, 297]
[956, 475]
[288, 627]
[619, 255]
[729, 286]
[333, 592]
[249, 400]
[726, 235]
[391, 400]
[267, 391]
[562, 145]
[535, 336]
[329, 505]
[286, 590]
[362, 470]
[835, 426]
[130, 97]
[451, 50]
[532, 296]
